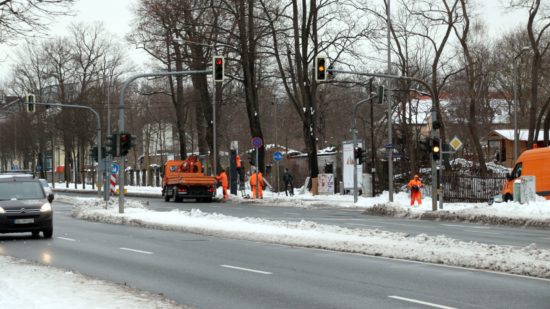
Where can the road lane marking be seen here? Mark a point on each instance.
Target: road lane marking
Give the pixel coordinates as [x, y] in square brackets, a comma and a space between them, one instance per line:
[492, 233]
[292, 213]
[421, 302]
[65, 238]
[135, 250]
[247, 269]
[365, 225]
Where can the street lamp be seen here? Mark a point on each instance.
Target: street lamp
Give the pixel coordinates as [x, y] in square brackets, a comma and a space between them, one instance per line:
[515, 86]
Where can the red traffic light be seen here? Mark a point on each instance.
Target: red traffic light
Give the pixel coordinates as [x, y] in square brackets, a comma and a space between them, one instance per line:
[219, 61]
[124, 137]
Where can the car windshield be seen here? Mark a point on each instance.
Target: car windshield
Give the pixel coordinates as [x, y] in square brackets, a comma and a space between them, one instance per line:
[24, 190]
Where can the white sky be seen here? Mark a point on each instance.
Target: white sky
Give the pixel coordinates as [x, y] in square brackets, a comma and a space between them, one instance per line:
[117, 17]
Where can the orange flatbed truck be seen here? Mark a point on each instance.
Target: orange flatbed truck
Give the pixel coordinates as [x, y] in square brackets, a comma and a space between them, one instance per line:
[185, 179]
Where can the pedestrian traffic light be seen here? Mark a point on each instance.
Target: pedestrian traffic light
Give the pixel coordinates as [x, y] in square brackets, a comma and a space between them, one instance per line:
[320, 69]
[29, 102]
[125, 143]
[111, 148]
[218, 66]
[359, 155]
[436, 149]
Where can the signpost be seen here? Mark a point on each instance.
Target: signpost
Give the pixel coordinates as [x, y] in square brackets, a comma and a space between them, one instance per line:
[278, 157]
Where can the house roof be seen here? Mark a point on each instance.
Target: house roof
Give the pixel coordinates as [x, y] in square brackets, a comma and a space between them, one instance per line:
[508, 134]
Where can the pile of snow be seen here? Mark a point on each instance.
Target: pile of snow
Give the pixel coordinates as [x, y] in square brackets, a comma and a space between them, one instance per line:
[61, 186]
[525, 261]
[27, 285]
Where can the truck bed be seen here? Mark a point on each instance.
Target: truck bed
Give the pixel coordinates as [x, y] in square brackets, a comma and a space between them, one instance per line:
[190, 179]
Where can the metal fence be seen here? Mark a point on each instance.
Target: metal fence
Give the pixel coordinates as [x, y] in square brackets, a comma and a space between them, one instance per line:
[462, 188]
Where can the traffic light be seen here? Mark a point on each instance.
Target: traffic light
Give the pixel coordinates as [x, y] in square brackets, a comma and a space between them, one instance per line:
[111, 145]
[29, 103]
[331, 73]
[360, 155]
[218, 66]
[320, 69]
[380, 94]
[436, 125]
[436, 149]
[125, 143]
[94, 153]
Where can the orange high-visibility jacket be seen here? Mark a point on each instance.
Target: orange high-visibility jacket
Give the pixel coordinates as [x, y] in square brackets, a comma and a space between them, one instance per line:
[253, 181]
[223, 178]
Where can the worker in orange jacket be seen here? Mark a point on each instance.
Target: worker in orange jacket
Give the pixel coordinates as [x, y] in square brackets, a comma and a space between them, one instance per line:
[257, 183]
[414, 185]
[222, 176]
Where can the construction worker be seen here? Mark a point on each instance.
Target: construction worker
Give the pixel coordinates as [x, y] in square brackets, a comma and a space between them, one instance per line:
[414, 185]
[222, 177]
[256, 184]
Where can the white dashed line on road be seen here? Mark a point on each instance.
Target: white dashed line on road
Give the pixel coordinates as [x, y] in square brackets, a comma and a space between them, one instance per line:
[65, 238]
[421, 302]
[135, 250]
[247, 269]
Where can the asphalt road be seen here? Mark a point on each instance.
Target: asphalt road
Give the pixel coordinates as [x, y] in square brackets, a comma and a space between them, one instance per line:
[354, 218]
[211, 272]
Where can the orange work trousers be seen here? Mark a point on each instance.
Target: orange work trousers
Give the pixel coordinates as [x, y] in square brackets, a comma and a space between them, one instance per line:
[416, 196]
[260, 192]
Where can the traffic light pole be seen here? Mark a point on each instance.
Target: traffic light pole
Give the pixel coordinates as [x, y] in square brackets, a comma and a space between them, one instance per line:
[354, 133]
[122, 170]
[98, 128]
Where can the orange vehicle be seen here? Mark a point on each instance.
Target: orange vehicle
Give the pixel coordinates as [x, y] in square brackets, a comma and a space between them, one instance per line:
[185, 179]
[534, 162]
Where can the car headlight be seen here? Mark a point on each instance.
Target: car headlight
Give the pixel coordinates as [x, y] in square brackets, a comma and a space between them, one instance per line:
[46, 208]
[2, 211]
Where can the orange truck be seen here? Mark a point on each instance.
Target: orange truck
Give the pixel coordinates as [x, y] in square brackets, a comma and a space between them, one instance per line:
[185, 179]
[534, 162]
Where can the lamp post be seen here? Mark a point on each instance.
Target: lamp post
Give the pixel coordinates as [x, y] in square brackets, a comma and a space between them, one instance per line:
[515, 86]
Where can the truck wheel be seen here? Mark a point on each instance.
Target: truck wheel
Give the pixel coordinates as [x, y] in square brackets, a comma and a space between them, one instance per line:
[208, 200]
[166, 196]
[178, 199]
[507, 197]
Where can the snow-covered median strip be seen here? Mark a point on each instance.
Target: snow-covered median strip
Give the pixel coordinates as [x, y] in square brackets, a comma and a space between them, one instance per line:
[524, 261]
[28, 285]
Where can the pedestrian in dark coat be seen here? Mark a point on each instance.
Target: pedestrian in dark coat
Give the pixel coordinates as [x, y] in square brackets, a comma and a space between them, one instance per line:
[287, 179]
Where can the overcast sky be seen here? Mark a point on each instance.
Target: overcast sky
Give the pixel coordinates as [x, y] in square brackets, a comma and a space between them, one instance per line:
[117, 17]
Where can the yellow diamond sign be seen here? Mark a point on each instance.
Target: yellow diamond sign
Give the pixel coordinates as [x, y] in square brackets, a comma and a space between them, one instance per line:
[456, 143]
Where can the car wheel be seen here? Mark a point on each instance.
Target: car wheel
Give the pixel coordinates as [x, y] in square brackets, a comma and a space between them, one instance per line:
[48, 232]
[507, 197]
[35, 234]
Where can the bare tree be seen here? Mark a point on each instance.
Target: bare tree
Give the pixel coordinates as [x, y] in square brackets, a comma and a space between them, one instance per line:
[23, 18]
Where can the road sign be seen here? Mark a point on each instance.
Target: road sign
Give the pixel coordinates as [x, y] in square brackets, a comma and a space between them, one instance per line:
[257, 142]
[114, 168]
[456, 143]
[277, 156]
[389, 146]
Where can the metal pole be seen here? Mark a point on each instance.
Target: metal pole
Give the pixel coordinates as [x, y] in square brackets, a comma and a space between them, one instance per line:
[514, 86]
[257, 172]
[434, 164]
[390, 135]
[214, 154]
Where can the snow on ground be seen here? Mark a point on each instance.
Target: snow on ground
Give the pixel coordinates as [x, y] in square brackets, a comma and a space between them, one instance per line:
[29, 285]
[525, 261]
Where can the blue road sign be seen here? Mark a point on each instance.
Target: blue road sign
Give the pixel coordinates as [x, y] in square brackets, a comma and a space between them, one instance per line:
[389, 146]
[114, 168]
[277, 156]
[257, 142]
